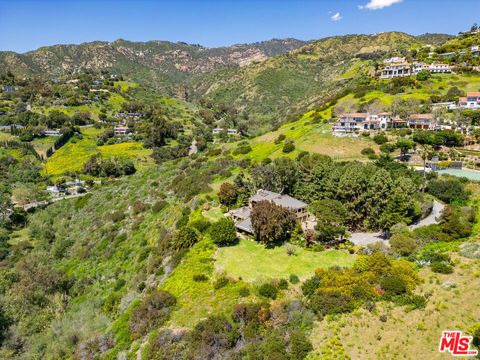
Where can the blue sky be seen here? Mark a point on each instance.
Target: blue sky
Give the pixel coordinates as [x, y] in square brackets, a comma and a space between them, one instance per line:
[28, 24]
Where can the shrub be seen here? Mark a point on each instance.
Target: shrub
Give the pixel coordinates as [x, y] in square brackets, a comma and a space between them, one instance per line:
[216, 332]
[368, 151]
[268, 290]
[294, 279]
[288, 147]
[221, 282]
[200, 278]
[449, 190]
[393, 285]
[244, 292]
[116, 216]
[223, 232]
[299, 345]
[310, 285]
[380, 138]
[291, 250]
[330, 302]
[185, 238]
[280, 138]
[153, 312]
[283, 284]
[159, 205]
[202, 225]
[441, 267]
[403, 244]
[242, 149]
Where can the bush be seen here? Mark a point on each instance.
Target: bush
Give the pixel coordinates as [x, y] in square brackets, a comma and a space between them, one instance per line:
[288, 147]
[393, 285]
[202, 225]
[291, 250]
[200, 278]
[221, 282]
[159, 205]
[449, 190]
[299, 345]
[294, 279]
[223, 232]
[153, 312]
[242, 149]
[403, 244]
[310, 285]
[268, 290]
[280, 138]
[441, 268]
[283, 284]
[330, 302]
[380, 138]
[185, 238]
[368, 151]
[244, 292]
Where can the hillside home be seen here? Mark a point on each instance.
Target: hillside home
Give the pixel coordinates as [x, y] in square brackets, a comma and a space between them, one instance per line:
[229, 131]
[55, 132]
[471, 101]
[349, 123]
[241, 216]
[121, 130]
[450, 105]
[422, 121]
[435, 68]
[396, 70]
[475, 49]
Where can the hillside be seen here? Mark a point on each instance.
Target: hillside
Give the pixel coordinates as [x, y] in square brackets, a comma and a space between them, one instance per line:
[279, 88]
[163, 64]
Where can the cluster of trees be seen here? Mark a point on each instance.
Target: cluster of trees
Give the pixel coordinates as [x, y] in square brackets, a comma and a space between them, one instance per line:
[109, 167]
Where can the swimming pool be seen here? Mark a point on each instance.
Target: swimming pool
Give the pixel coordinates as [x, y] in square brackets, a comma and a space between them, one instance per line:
[469, 174]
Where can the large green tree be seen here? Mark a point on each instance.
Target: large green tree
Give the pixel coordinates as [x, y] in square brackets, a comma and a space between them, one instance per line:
[271, 223]
[331, 216]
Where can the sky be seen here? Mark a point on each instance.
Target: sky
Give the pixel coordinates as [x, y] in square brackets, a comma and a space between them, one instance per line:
[29, 24]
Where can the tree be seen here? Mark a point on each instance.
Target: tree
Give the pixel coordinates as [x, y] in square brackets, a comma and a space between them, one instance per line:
[223, 232]
[227, 194]
[427, 140]
[380, 138]
[331, 216]
[185, 238]
[272, 223]
[423, 75]
[405, 145]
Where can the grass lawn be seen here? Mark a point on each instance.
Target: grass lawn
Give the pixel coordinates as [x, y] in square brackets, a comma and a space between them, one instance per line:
[252, 261]
[7, 136]
[41, 145]
[75, 153]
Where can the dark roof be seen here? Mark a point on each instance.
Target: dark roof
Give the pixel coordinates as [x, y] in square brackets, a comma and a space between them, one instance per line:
[278, 199]
[245, 225]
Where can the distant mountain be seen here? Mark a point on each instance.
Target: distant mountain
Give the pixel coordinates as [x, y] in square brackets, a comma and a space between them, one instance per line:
[434, 39]
[162, 64]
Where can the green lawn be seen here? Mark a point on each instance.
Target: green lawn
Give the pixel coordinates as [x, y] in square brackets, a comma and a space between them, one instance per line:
[252, 261]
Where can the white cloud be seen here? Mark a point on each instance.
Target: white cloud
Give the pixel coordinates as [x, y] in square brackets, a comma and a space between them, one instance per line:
[336, 17]
[379, 4]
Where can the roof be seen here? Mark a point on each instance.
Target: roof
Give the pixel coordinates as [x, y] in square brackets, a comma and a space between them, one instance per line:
[462, 99]
[421, 116]
[360, 115]
[289, 202]
[242, 213]
[245, 225]
[473, 94]
[278, 199]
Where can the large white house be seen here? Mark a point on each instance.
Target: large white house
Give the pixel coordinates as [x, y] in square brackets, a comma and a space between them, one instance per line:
[355, 122]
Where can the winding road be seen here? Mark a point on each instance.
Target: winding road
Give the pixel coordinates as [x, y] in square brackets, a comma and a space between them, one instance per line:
[365, 238]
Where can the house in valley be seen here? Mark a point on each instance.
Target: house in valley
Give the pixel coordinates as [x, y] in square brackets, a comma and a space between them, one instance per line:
[241, 216]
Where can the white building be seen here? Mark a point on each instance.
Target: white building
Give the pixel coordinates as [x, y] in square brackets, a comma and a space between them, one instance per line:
[435, 68]
[396, 70]
[471, 101]
[121, 130]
